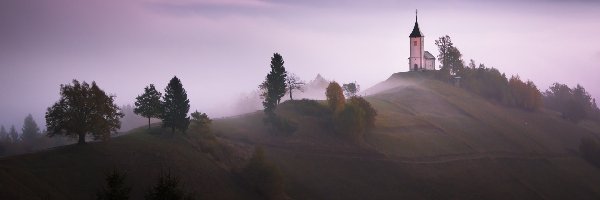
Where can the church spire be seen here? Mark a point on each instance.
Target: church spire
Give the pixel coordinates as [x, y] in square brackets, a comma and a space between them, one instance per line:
[416, 32]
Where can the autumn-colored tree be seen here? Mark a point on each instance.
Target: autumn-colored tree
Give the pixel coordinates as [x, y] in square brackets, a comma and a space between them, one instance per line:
[335, 96]
[264, 176]
[525, 94]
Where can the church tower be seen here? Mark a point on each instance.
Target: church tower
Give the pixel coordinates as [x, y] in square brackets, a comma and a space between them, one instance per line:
[416, 61]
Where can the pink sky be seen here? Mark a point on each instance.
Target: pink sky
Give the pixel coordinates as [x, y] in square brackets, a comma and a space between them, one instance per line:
[222, 48]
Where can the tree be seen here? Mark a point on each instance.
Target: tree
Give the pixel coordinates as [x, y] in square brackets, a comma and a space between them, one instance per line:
[274, 86]
[3, 134]
[443, 44]
[201, 121]
[81, 110]
[167, 188]
[115, 188]
[335, 97]
[176, 106]
[573, 103]
[148, 104]
[294, 83]
[30, 130]
[13, 134]
[351, 89]
[450, 57]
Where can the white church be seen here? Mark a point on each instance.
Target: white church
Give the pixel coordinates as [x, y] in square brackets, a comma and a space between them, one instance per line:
[419, 59]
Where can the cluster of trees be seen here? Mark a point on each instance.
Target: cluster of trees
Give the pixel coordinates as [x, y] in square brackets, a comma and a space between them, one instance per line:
[487, 82]
[352, 118]
[30, 139]
[172, 109]
[574, 103]
[263, 176]
[276, 84]
[85, 109]
[168, 187]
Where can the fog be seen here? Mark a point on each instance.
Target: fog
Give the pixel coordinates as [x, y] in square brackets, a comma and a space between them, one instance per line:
[221, 49]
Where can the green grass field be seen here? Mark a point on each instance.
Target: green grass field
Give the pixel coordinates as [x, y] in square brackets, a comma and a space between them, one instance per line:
[432, 141]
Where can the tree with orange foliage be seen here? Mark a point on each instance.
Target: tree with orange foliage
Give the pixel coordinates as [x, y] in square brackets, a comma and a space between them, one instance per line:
[335, 97]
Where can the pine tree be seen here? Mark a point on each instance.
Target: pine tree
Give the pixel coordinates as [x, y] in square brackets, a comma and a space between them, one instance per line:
[275, 84]
[176, 106]
[148, 104]
[30, 131]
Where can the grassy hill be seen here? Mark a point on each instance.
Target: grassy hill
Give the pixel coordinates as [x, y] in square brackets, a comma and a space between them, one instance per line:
[432, 141]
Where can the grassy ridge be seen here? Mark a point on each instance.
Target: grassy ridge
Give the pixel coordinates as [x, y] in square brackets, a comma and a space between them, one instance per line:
[431, 141]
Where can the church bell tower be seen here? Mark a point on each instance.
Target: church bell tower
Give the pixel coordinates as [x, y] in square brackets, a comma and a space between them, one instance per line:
[415, 61]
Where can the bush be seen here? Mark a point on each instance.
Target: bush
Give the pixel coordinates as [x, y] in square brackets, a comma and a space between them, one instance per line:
[280, 125]
[167, 188]
[263, 176]
[356, 119]
[115, 187]
[309, 107]
[590, 151]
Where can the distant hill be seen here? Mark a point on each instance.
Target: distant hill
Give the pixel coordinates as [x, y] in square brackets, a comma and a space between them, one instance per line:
[432, 141]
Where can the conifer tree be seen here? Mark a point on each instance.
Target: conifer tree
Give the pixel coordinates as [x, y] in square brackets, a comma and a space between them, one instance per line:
[274, 86]
[30, 131]
[115, 187]
[176, 106]
[148, 104]
[3, 134]
[13, 134]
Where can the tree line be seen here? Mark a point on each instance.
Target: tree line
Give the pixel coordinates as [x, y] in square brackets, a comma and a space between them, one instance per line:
[573, 103]
[31, 138]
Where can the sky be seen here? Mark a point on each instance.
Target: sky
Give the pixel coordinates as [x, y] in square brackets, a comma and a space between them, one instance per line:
[221, 49]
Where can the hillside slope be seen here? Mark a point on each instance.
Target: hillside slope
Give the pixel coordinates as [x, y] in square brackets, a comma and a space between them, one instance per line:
[431, 141]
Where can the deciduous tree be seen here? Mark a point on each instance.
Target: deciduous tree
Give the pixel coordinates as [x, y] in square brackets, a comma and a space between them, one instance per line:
[294, 83]
[335, 97]
[148, 104]
[351, 89]
[81, 110]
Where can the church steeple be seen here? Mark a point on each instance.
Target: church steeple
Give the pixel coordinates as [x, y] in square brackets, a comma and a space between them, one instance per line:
[416, 32]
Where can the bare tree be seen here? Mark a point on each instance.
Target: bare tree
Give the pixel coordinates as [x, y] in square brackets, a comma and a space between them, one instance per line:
[294, 83]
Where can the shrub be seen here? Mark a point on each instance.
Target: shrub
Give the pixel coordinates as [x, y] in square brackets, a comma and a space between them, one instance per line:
[280, 125]
[356, 119]
[115, 187]
[167, 188]
[309, 107]
[263, 176]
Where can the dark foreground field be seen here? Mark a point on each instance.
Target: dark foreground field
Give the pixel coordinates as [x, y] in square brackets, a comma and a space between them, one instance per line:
[431, 141]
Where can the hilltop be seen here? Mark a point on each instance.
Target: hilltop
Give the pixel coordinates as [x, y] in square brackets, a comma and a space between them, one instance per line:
[432, 141]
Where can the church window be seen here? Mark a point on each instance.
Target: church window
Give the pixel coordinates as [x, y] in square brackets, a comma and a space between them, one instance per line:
[415, 43]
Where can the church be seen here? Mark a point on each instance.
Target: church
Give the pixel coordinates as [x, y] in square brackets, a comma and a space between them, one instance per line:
[419, 59]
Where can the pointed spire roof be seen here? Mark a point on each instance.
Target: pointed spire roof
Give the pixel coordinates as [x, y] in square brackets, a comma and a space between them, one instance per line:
[416, 32]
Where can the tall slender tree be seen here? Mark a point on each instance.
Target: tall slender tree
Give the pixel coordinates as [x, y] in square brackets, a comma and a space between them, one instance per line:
[148, 104]
[176, 106]
[275, 83]
[81, 110]
[13, 134]
[3, 134]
